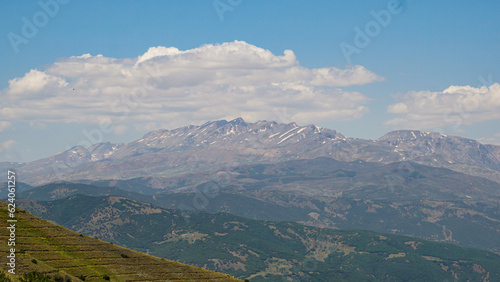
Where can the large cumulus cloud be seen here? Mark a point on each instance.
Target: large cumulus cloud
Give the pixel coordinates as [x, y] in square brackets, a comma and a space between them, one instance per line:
[167, 87]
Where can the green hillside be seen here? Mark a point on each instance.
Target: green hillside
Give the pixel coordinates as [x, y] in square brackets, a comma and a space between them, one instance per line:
[65, 255]
[260, 250]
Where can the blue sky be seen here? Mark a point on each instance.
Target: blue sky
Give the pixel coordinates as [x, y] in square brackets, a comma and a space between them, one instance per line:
[422, 69]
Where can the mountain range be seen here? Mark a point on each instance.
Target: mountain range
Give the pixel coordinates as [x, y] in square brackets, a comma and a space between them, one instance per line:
[221, 144]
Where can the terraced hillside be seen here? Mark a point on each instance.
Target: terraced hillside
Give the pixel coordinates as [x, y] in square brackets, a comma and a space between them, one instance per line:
[56, 251]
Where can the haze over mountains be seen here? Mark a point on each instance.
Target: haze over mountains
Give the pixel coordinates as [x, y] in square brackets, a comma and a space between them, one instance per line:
[221, 144]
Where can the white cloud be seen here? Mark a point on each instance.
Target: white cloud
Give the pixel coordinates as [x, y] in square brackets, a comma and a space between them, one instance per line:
[168, 87]
[399, 108]
[336, 77]
[34, 82]
[9, 144]
[5, 125]
[454, 106]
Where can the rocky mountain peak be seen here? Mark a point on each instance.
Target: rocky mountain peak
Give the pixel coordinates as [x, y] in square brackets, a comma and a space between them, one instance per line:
[238, 121]
[223, 132]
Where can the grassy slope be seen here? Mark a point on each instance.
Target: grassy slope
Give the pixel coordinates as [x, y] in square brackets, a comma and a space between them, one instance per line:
[57, 249]
[268, 250]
